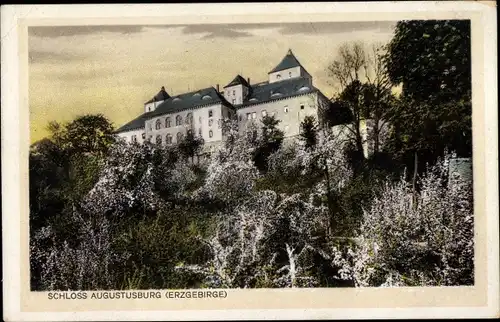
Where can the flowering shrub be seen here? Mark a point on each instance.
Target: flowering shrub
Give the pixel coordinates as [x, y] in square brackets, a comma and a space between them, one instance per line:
[417, 238]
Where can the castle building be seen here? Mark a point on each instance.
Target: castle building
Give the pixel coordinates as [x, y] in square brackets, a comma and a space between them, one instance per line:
[288, 94]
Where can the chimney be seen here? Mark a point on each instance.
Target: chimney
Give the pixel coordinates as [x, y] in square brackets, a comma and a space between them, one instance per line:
[217, 86]
[248, 80]
[163, 88]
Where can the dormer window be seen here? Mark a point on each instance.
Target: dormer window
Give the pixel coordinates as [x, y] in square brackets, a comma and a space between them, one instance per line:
[176, 99]
[304, 88]
[206, 97]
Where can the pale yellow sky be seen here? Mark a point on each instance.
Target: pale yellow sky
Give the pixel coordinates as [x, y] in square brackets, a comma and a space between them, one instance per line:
[113, 70]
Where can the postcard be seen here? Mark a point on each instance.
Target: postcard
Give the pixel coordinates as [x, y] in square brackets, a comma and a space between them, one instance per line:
[245, 161]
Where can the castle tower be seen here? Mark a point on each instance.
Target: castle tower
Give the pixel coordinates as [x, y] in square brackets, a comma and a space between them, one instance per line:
[289, 67]
[237, 91]
[151, 105]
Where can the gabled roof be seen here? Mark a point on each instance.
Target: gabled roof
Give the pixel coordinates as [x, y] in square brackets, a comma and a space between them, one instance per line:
[289, 61]
[265, 92]
[238, 80]
[161, 96]
[135, 124]
[206, 96]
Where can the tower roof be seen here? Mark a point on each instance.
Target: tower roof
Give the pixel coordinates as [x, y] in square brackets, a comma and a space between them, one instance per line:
[161, 96]
[289, 61]
[238, 80]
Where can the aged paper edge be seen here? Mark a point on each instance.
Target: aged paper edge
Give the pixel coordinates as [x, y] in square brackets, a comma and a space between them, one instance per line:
[480, 300]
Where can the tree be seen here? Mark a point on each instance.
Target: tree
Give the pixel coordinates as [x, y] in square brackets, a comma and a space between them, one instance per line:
[308, 132]
[431, 59]
[269, 141]
[86, 134]
[190, 146]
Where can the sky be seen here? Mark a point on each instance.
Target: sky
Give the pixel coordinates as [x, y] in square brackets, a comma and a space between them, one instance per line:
[113, 70]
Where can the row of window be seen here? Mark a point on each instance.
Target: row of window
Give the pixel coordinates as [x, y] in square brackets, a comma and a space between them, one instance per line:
[178, 120]
[169, 138]
[253, 115]
[278, 76]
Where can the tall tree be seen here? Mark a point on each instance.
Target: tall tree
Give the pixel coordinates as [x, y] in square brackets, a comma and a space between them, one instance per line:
[190, 146]
[308, 133]
[432, 61]
[269, 141]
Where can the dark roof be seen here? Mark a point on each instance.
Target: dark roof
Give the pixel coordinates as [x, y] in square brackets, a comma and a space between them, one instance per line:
[289, 61]
[238, 80]
[206, 96]
[161, 96]
[135, 124]
[265, 92]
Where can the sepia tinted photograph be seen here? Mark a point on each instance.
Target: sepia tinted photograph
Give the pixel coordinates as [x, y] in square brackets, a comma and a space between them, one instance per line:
[271, 155]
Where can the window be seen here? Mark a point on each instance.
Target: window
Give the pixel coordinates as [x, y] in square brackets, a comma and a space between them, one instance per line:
[234, 92]
[149, 109]
[178, 120]
[168, 139]
[290, 74]
[286, 109]
[189, 118]
[240, 117]
[210, 113]
[179, 136]
[189, 132]
[144, 136]
[264, 113]
[134, 138]
[210, 122]
[158, 139]
[158, 124]
[210, 133]
[254, 115]
[278, 76]
[301, 107]
[249, 116]
[168, 122]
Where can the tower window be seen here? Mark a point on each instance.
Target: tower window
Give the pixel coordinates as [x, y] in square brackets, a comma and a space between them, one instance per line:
[210, 133]
[301, 107]
[286, 109]
[210, 122]
[210, 113]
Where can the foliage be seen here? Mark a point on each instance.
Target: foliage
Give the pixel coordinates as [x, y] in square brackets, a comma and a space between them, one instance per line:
[308, 131]
[432, 61]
